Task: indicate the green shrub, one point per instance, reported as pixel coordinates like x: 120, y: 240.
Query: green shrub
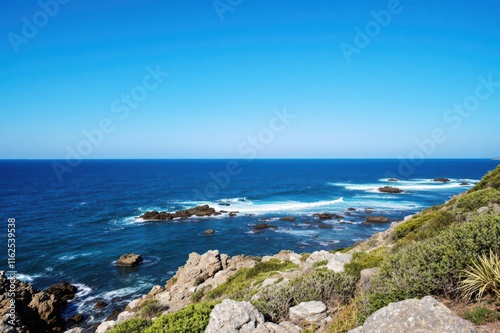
x: 192, y: 319
x: 320, y: 263
x: 136, y: 325
x: 412, y: 224
x: 363, y: 260
x: 321, y: 285
x: 475, y: 200
x: 433, y: 266
x: 491, y: 179
x: 482, y: 277
x: 304, y: 256
x: 151, y: 308
x: 198, y: 295
x: 481, y: 314
x: 437, y: 222
x: 238, y: 286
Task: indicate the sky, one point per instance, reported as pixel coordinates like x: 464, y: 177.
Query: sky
x: 249, y: 79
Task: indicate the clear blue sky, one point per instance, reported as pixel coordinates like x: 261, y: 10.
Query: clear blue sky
x: 225, y: 78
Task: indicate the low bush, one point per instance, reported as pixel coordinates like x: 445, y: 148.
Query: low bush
x: 433, y: 266
x: 198, y: 295
x: 471, y: 202
x: 412, y: 224
x: 345, y: 320
x: 321, y: 285
x: 482, y: 277
x: 192, y: 319
x: 151, y: 308
x: 136, y: 325
x: 491, y: 179
x: 481, y: 314
x: 363, y: 260
x: 320, y: 263
x: 237, y: 286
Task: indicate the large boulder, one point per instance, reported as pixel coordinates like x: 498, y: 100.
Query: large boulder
x: 415, y: 316
x: 338, y: 261
x: 62, y: 291
x: 130, y: 259
x: 308, y: 312
x: 234, y: 317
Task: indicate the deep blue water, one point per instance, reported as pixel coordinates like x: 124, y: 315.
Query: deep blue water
x: 76, y: 228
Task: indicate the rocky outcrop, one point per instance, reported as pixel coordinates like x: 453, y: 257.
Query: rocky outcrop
x: 376, y: 219
x: 206, y: 271
x: 390, y: 189
x: 327, y: 216
x: 34, y: 311
x: 441, y: 180
x: 288, y: 218
x: 392, y: 180
x: 242, y: 317
x: 63, y: 292
x: 415, y: 316
x: 309, y: 312
x: 204, y: 210
x: 209, y: 232
x: 335, y: 261
x: 285, y: 255
x: 231, y: 316
x: 130, y: 259
x: 261, y: 226
x: 464, y: 184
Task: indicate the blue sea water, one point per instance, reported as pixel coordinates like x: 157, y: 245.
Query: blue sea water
x: 74, y: 229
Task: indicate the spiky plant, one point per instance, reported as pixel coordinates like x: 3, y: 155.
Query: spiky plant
x: 482, y: 277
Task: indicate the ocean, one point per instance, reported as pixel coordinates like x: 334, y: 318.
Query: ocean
x: 75, y: 227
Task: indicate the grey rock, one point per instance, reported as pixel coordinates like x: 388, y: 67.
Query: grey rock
x: 234, y: 317
x: 366, y: 277
x: 308, y: 312
x: 415, y: 316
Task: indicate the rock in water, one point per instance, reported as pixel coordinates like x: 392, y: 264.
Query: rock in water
x: 392, y: 180
x: 288, y: 218
x: 390, y: 189
x: 231, y: 316
x: 209, y: 232
x: 415, y: 316
x: 441, y: 180
x: 62, y: 291
x: 130, y: 259
x: 377, y: 219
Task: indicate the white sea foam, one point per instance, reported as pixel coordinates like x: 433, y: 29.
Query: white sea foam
x: 407, y: 185
x: 27, y: 277
x: 256, y: 207
x: 296, y: 232
x: 82, y: 290
x: 69, y: 257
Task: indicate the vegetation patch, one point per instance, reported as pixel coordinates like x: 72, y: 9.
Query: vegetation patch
x: 238, y: 286
x: 481, y: 314
x: 192, y: 319
x: 491, y: 179
x: 363, y: 260
x: 433, y: 266
x: 471, y: 202
x: 136, y: 325
x: 151, y: 308
x: 332, y: 288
